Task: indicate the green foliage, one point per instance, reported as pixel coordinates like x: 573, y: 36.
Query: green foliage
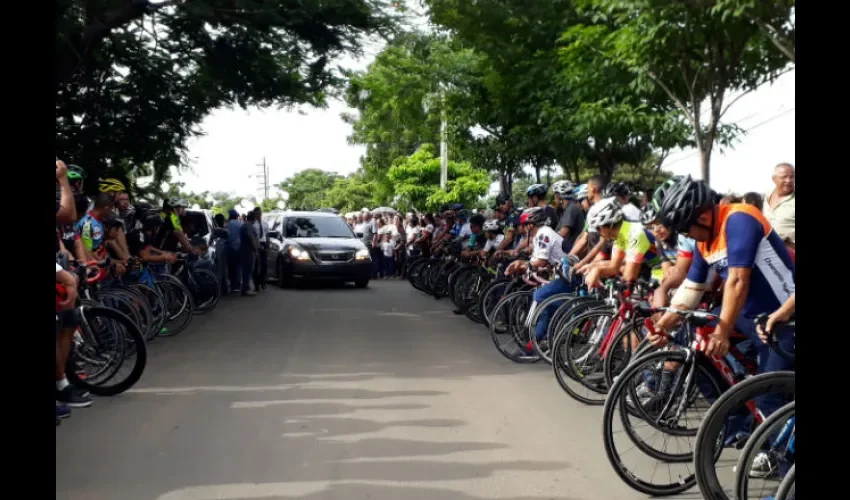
x: 690, y: 53
x: 309, y: 188
x: 417, y: 180
x: 135, y: 78
x: 349, y: 194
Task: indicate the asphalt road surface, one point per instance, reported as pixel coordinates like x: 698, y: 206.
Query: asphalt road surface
x: 336, y: 394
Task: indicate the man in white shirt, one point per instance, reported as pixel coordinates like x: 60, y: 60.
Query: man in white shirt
x: 622, y: 192
x: 547, y: 252
x: 780, y: 205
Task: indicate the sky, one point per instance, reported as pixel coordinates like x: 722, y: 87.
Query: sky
x: 236, y: 141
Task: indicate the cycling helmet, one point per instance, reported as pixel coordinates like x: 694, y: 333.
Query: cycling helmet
x: 649, y: 215
x: 683, y: 203
x: 477, y: 219
x: 658, y: 195
x: 580, y: 192
x: 502, y: 198
x: 176, y: 202
x: 111, y: 186
x: 463, y: 214
x: 492, y: 225
x: 533, y: 215
x: 457, y: 206
x: 76, y: 173
x: 610, y: 212
x: 564, y: 189
x: 538, y: 190
x: 616, y: 189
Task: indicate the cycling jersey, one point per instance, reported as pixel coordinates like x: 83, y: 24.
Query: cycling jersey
x: 744, y: 238
x: 547, y: 245
x: 475, y: 241
x: 136, y: 242
x: 455, y: 231
x: 637, y: 243
x: 92, y: 233
x: 68, y: 235
x: 512, y: 224
x: 164, y: 239
x: 493, y: 244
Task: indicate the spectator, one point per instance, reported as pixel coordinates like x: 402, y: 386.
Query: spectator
x: 248, y: 252
x: 388, y: 256
x: 400, y: 250
x: 780, y: 204
x: 234, y: 245
x: 261, y: 228
x: 219, y: 220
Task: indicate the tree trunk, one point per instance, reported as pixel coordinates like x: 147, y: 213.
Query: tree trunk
x: 537, y: 172
x: 607, y: 166
x: 705, y: 164
x: 503, y: 181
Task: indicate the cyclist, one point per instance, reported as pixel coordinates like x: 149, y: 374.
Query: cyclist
x: 623, y: 194
x: 633, y: 246
x: 493, y: 230
x: 115, y: 188
x: 505, y: 211
x: 537, y: 198
x: 547, y: 250
x: 171, y: 233
x: 476, y: 240
x: 76, y: 177
x: 571, y: 218
x: 90, y: 226
x: 739, y: 243
x: 139, y: 241
x: 66, y: 324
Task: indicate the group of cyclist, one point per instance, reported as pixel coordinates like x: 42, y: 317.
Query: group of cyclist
x: 687, y: 238
x: 90, y: 231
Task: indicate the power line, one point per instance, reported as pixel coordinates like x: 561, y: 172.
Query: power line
x: 772, y: 118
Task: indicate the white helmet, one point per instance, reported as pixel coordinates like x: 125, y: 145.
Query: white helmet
x: 564, y: 189
x: 609, y: 212
x: 492, y: 225
x: 580, y: 192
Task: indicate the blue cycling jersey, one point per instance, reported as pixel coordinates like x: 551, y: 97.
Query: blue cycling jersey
x: 91, y: 231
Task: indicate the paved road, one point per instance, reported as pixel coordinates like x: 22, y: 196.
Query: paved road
x: 336, y: 394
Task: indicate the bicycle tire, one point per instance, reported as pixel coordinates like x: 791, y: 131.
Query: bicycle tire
x: 135, y: 336
x: 788, y: 487
x: 506, y: 303
x: 560, y: 356
x: 617, y: 394
x: 715, y: 421
x: 487, y: 304
x: 753, y: 447
x: 175, y: 293
x: 564, y: 299
x: 212, y: 285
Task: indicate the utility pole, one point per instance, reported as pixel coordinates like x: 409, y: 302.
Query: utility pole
x: 264, y: 178
x: 444, y: 146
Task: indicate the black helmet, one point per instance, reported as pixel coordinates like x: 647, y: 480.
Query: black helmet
x: 534, y: 215
x: 617, y: 189
x: 538, y: 190
x: 502, y: 198
x: 683, y: 203
x: 457, y: 206
x: 463, y: 214
x: 477, y: 220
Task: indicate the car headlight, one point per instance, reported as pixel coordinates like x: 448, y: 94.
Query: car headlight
x: 299, y: 254
x: 362, y: 254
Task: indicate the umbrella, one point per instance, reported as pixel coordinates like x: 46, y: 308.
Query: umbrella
x: 383, y: 210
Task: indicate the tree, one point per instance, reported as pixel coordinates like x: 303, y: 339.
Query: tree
x: 309, y: 188
x: 775, y: 19
x: 352, y: 193
x: 691, y: 53
x: 417, y: 181
x: 134, y: 78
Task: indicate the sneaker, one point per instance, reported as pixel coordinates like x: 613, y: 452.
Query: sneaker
x: 73, y: 397
x: 62, y: 411
x: 763, y: 466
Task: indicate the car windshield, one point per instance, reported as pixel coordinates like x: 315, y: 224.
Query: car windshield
x: 317, y: 227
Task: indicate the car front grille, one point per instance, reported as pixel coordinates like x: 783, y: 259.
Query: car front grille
x: 335, y: 256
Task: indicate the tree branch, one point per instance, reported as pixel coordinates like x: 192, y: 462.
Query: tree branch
x: 674, y: 97
x: 776, y: 38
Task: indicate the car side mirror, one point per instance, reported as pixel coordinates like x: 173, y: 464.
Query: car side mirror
x: 359, y: 235
x: 274, y: 234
